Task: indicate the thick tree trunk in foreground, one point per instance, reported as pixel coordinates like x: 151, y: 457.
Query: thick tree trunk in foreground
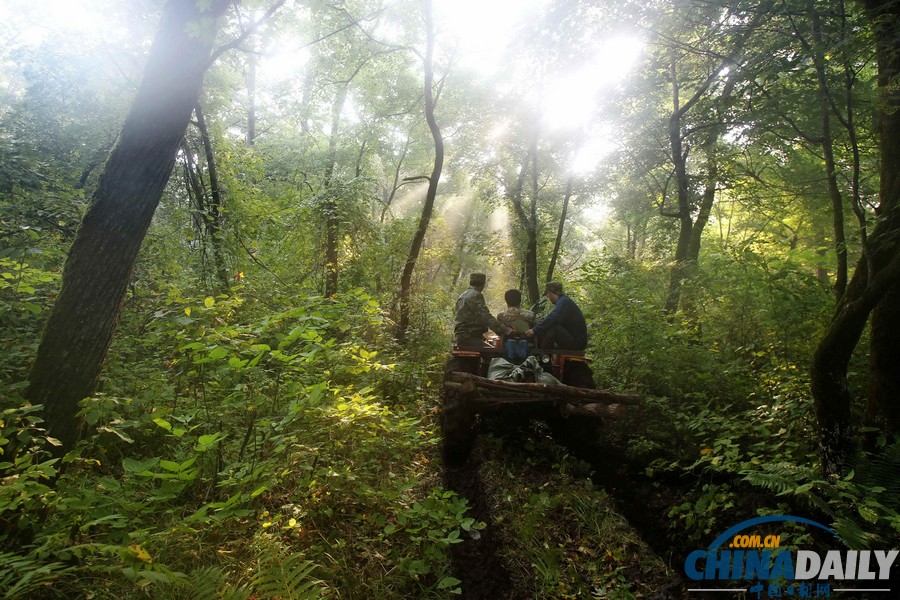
x: 883, y: 406
x: 101, y: 259
x: 884, y: 376
x: 425, y: 219
x: 867, y: 289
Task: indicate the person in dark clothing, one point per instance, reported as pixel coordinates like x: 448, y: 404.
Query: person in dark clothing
x: 564, y: 327
x: 473, y: 318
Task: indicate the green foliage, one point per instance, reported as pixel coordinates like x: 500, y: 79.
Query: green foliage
x: 23, y: 576
x: 728, y: 398
x: 214, y: 423
x: 263, y: 440
x: 27, y: 470
x: 431, y: 525
x: 25, y: 291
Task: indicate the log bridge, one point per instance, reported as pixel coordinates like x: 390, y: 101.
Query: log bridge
x: 571, y: 401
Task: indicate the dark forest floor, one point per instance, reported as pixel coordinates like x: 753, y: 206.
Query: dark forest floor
x: 551, y: 532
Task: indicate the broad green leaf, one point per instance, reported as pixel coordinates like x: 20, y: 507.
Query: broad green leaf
x: 447, y: 582
x: 163, y: 423
x: 169, y: 465
x: 217, y: 353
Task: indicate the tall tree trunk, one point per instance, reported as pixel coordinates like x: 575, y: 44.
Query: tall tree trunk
x: 834, y: 192
x: 685, y: 223
x: 884, y: 377
x: 212, y: 216
x: 427, y: 209
x: 869, y: 286
x: 526, y: 221
x: 330, y: 206
x: 531, y: 249
x: 196, y: 190
x: 251, y: 98
x: 690, y: 232
x: 554, y: 256
x: 100, y: 262
x: 849, y: 123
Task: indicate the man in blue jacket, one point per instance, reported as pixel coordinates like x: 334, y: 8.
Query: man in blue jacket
x: 564, y: 327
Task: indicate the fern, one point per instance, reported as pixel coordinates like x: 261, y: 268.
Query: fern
x: 882, y: 471
x: 286, y: 578
x: 21, y: 576
x: 853, y: 535
x: 786, y: 479
x: 209, y: 583
x: 781, y: 478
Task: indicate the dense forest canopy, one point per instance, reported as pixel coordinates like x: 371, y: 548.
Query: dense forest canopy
x: 232, y: 234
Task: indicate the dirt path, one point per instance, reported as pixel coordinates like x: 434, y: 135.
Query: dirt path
x: 517, y: 463
x: 477, y: 562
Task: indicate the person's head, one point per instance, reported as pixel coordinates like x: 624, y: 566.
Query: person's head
x: 554, y: 290
x: 477, y: 280
x: 513, y: 298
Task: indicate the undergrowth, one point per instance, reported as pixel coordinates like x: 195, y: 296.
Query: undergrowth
x: 728, y: 417
x: 233, y: 451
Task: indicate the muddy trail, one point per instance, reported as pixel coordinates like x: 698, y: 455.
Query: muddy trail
x: 482, y: 562
x: 477, y: 561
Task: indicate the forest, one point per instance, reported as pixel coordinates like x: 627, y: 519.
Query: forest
x: 233, y: 232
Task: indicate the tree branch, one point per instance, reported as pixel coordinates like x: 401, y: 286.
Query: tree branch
x: 246, y: 32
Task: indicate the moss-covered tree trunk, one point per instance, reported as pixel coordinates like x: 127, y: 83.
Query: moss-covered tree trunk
x: 100, y: 262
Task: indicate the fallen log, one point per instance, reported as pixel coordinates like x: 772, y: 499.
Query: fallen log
x: 461, y: 388
x: 607, y: 411
x: 571, y: 394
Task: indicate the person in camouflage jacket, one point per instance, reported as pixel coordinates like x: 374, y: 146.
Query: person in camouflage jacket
x: 473, y: 318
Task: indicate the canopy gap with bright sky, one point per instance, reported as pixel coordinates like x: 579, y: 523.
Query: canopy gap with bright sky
x: 479, y: 31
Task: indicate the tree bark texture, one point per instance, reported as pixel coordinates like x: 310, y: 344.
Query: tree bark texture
x: 871, y: 290
x: 433, y: 180
x: 100, y: 262
x: 884, y: 376
x: 680, y: 267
